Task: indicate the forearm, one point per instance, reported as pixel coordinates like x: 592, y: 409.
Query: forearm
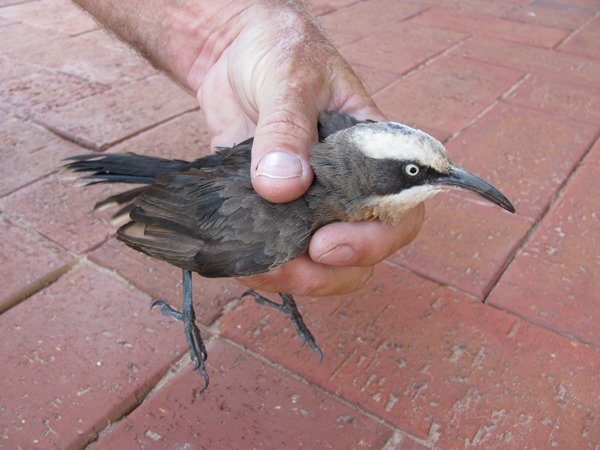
x: 181, y: 37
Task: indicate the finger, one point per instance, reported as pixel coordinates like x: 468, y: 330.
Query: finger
x: 364, y: 243
x: 285, y: 132
x: 302, y: 276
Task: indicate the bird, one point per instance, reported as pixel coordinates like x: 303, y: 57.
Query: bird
x: 204, y: 216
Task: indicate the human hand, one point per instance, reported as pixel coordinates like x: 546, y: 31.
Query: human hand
x: 272, y: 81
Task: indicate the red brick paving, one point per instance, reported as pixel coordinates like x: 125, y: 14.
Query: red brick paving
x: 585, y: 41
x: 563, y: 254
x: 573, y: 100
x: 482, y: 333
x: 445, y: 95
x: 419, y: 43
x: 481, y: 25
x: 289, y: 414
x: 528, y: 153
x: 108, y: 118
x: 40, y: 153
x: 475, y: 238
x: 34, y: 262
x: 76, y: 356
x: 437, y: 364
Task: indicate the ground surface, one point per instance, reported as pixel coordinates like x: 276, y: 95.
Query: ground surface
x: 483, y: 333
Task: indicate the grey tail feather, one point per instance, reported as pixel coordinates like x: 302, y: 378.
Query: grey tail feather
x: 122, y: 167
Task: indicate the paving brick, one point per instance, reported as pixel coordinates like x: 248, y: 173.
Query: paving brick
x: 76, y: 56
x: 163, y: 281
x: 373, y: 79
x: 464, y: 244
x: 572, y: 100
x: 76, y: 356
x: 30, y: 263
x: 554, y: 280
x: 441, y: 98
x: 585, y: 41
x: 531, y: 59
x: 184, y: 137
x: 526, y: 153
x: 56, y: 15
x: 401, y: 442
x: 248, y: 405
x: 104, y: 39
x: 367, y: 17
x: 28, y: 152
x: 401, y: 47
x: 41, y: 90
x: 62, y: 211
x: 320, y: 8
x: 438, y: 365
x: 472, y: 6
x: 567, y: 15
x: 112, y: 116
x: 484, y: 25
x: 11, y: 68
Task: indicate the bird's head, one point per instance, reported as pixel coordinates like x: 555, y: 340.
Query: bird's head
x: 385, y: 168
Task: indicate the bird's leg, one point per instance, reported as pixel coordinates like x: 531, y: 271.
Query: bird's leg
x: 188, y: 317
x: 289, y: 308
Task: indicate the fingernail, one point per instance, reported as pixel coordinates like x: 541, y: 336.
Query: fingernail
x: 338, y: 255
x: 279, y: 165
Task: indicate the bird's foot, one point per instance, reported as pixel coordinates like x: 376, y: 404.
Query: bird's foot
x: 192, y: 332
x: 289, y: 308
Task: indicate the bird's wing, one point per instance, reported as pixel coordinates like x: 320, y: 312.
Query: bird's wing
x: 212, y: 222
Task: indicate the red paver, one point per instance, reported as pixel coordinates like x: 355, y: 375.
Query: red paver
x: 30, y: 262
x: 531, y: 59
x: 554, y: 280
x: 438, y: 365
x: 566, y: 15
x: 443, y: 97
x: 249, y: 405
x: 585, y: 41
x: 76, y: 356
x: 473, y: 6
x: 373, y: 79
x: 28, y: 152
x: 525, y: 153
x: 367, y: 17
x: 484, y: 25
x: 62, y: 211
x: 104, y: 119
x: 401, y: 47
x: 417, y: 349
x: 41, y: 90
x: 76, y: 55
x: 62, y: 16
x: 464, y: 244
x: 193, y: 139
x: 573, y: 100
x: 163, y: 281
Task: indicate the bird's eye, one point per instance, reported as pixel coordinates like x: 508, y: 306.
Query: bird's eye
x: 412, y: 169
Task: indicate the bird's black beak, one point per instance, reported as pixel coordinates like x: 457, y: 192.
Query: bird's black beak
x: 463, y: 179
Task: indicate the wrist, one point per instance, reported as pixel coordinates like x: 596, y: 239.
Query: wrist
x: 199, y: 33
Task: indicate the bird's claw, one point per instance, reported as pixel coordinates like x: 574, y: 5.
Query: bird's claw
x: 289, y: 308
x: 193, y: 337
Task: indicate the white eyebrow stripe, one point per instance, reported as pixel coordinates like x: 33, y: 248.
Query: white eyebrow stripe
x: 401, y: 143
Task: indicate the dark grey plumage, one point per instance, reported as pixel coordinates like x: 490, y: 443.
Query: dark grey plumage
x: 204, y: 216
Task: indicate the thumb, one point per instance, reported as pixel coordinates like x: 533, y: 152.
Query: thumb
x: 285, y: 132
